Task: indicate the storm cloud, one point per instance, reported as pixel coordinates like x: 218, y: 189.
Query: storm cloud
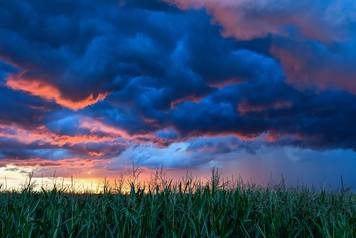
x: 116, y: 80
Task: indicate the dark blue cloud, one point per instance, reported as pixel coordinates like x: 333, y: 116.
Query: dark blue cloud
x: 320, y: 119
x: 22, y: 109
x: 5, y: 70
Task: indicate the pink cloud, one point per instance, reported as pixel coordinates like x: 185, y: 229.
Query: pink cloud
x: 245, y: 107
x: 306, y: 67
x: 246, y: 19
x: 42, y: 135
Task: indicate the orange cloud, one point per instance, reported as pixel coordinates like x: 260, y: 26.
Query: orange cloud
x: 43, y: 135
x: 98, y: 132
x: 240, y: 135
x: 245, y: 108
x: 181, y: 100
x: 64, y: 168
x: 96, y: 126
x: 227, y: 82
x: 50, y: 93
x: 29, y: 163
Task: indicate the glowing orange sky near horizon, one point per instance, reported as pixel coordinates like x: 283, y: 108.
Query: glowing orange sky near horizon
x: 86, y: 179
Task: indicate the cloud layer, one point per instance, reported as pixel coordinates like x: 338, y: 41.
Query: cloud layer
x: 174, y: 83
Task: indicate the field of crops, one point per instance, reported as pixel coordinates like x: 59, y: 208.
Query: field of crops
x: 185, y: 209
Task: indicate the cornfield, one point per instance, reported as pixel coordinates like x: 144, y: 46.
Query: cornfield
x: 187, y: 208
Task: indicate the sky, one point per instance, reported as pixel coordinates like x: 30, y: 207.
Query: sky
x: 256, y: 88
